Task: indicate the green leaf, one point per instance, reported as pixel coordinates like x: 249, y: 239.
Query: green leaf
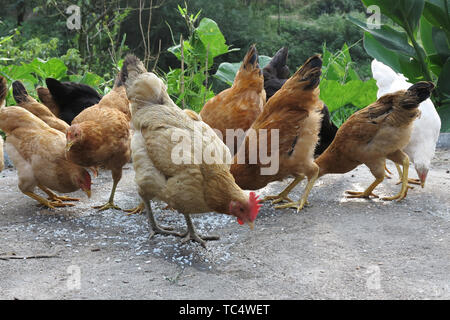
x: 406, y: 13
x: 443, y: 85
x: 388, y: 37
x: 436, y: 12
x: 355, y: 92
x: 426, y: 36
x: 227, y: 72
x: 441, y: 44
x: 209, y: 33
x: 444, y: 113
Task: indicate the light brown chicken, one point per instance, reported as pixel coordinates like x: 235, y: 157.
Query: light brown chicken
x: 374, y: 134
x: 100, y: 136
x: 237, y: 107
x: 183, y: 178
x: 287, y: 133
x: 38, y: 109
x: 38, y: 153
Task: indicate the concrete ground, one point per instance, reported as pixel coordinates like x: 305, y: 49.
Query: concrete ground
x: 337, y: 248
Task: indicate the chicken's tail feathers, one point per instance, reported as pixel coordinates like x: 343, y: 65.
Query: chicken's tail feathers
x: 416, y: 94
x: 132, y: 67
x: 310, y: 71
x: 251, y: 59
x: 3, y: 91
x: 19, y: 92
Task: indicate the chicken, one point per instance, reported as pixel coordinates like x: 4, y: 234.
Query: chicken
x: 290, y: 124
x: 237, y: 107
x: 374, y: 134
x: 188, y: 184
x: 276, y: 72
x: 275, y: 75
x: 100, y: 136
x: 38, y: 153
x: 426, y: 128
x: 39, y: 110
x: 70, y: 98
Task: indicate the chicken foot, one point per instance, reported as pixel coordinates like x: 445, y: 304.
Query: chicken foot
x: 191, y: 235
x: 156, y: 229
x: 304, y: 200
x: 138, y: 210
x: 110, y: 204
x: 283, y: 196
x: 54, y: 197
x: 412, y: 181
x: 405, y: 187
x: 367, y: 193
x: 46, y: 203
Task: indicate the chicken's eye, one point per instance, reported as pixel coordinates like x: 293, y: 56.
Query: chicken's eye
x: 241, y: 209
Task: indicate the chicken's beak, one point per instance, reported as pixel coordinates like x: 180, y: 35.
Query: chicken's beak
x: 251, y: 225
x: 88, y: 193
x: 69, y: 145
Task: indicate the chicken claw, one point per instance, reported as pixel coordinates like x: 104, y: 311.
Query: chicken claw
x: 197, y: 238
x: 108, y: 205
x: 357, y: 194
x: 299, y: 205
x: 404, y: 179
x: 138, y: 210
x: 277, y: 199
x: 54, y: 197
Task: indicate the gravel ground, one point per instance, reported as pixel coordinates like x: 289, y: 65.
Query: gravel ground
x: 337, y: 248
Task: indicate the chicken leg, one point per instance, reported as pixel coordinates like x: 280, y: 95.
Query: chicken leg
x: 283, y: 196
x: 138, y: 210
x: 156, y: 229
x: 304, y: 200
x: 191, y: 235
x: 400, y: 174
x: 116, y: 175
x: 54, y: 197
x: 404, y: 179
x: 46, y: 203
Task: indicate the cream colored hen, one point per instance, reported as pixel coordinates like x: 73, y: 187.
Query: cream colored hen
x: 170, y: 174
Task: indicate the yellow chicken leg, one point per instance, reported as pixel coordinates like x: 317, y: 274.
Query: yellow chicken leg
x: 304, y: 200
x: 283, y: 196
x: 110, y: 204
x: 46, y: 203
x: 54, y: 197
x: 367, y: 193
x: 400, y: 174
x: 404, y: 179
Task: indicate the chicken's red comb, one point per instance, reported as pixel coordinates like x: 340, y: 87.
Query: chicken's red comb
x: 254, y: 205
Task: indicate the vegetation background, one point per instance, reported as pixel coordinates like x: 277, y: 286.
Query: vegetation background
x: 35, y: 43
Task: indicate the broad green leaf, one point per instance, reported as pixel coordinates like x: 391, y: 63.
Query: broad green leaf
x: 210, y: 34
x: 357, y: 93
x: 443, y: 85
x: 444, y: 113
x: 441, y: 44
x: 406, y: 13
x: 388, y: 37
x: 436, y: 12
x: 426, y: 36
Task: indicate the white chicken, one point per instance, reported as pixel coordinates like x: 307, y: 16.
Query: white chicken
x: 426, y: 127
